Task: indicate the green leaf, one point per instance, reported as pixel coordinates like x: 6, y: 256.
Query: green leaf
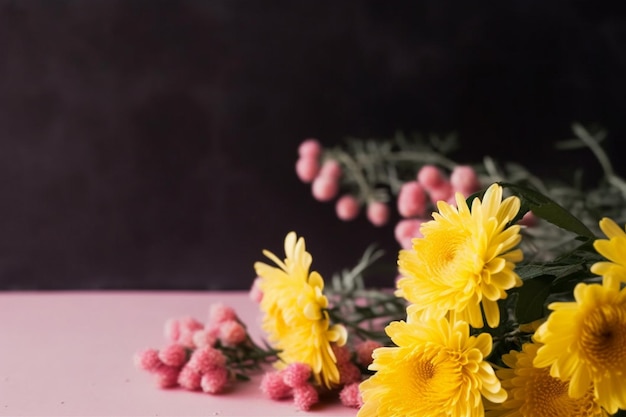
x: 532, y: 298
x: 584, y: 253
x: 530, y: 271
x: 547, y: 209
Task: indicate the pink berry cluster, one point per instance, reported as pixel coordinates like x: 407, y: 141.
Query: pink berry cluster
x: 374, y: 173
x: 350, y: 395
x: 223, y: 326
x: 364, y: 351
x: 324, y: 174
x: 291, y: 382
x: 349, y: 372
x: 294, y: 381
x: 350, y: 378
x: 174, y: 365
x: 195, y: 357
x: 418, y: 197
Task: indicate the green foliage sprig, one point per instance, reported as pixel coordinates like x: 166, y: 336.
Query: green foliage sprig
x: 363, y: 311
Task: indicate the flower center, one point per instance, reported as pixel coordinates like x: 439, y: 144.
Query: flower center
x: 445, y: 251
x: 424, y: 371
x: 603, y: 337
x: 434, y: 377
x: 547, y: 397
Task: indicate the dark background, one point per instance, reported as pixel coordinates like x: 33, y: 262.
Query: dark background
x: 151, y: 144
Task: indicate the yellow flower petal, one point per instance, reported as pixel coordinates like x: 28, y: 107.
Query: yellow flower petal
x: 464, y: 258
x: 435, y: 366
x: 585, y: 341
x: 295, y: 319
x: 611, y: 229
x: 613, y: 249
x: 533, y: 392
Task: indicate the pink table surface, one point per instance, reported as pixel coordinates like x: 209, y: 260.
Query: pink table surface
x: 70, y: 354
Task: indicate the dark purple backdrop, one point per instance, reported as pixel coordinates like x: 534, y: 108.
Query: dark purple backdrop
x: 150, y: 144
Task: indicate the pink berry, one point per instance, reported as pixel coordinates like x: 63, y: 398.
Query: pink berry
x: 167, y: 376
x: 347, y: 208
x: 364, y: 351
x: 406, y: 230
x: 406, y: 243
x: 310, y: 148
x: 186, y: 339
x: 307, y: 169
x: 529, y: 220
x: 190, y: 324
x: 350, y: 396
x: 172, y: 330
x: 443, y: 192
x: 296, y: 374
x: 273, y: 386
x: 148, y: 360
x: 215, y: 380
x: 232, y: 333
x: 213, y: 329
x: 182, y: 330
x: 348, y: 373
x: 331, y: 169
x: 464, y: 180
x: 173, y: 355
x: 430, y: 177
x: 412, y: 200
x: 189, y: 379
x: 342, y: 353
x: 305, y: 396
x: 324, y: 188
x: 203, y: 338
x: 219, y: 313
x: 378, y: 213
x: 206, y: 358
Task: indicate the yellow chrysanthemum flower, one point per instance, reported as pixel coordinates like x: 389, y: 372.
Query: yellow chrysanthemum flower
x: 534, y: 393
x: 614, y: 249
x: 464, y: 259
x: 437, y: 369
x: 295, y: 318
x: 584, y: 342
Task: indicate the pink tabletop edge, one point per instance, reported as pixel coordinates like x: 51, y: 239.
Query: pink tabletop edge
x: 70, y: 353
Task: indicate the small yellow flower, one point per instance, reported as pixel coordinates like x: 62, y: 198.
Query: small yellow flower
x: 437, y: 369
x: 534, y: 393
x: 614, y: 249
x: 295, y: 317
x: 464, y: 259
x: 584, y: 342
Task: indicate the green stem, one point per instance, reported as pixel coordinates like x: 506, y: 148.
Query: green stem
x: 421, y: 157
x: 355, y: 172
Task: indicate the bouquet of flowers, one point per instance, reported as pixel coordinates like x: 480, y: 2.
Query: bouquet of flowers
x: 510, y: 299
